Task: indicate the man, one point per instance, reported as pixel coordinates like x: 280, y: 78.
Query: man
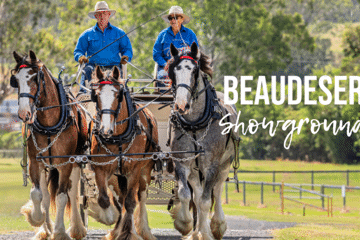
x: 180, y: 36
x: 97, y: 37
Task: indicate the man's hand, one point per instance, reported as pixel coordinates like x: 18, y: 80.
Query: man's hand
x: 124, y: 60
x: 83, y: 59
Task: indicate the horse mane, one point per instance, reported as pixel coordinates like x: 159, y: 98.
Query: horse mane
x: 205, y: 62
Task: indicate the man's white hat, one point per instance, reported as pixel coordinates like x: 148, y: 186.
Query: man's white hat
x: 176, y: 10
x: 101, y: 7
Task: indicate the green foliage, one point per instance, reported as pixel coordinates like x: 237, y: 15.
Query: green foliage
x: 10, y: 140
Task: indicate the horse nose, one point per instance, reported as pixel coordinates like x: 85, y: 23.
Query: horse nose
x: 187, y: 107
x: 110, y: 132
x: 176, y: 107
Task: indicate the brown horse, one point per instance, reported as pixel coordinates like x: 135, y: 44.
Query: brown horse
x: 112, y: 135
x: 55, y: 131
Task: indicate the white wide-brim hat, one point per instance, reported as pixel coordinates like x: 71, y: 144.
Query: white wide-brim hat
x: 101, y: 7
x: 176, y: 10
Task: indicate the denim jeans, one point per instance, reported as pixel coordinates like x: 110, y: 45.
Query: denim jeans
x: 87, y: 72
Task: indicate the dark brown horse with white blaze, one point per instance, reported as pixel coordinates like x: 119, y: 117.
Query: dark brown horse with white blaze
x: 197, y: 111
x: 56, y: 131
x: 113, y: 135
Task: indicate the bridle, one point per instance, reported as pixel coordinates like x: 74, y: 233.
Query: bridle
x: 120, y: 99
x: 39, y: 76
x: 195, y: 75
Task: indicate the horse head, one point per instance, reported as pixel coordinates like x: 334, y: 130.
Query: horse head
x: 184, y: 73
x: 108, y: 97
x: 26, y: 77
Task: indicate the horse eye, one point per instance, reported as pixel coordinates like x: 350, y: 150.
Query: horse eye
x: 188, y: 67
x: 178, y: 67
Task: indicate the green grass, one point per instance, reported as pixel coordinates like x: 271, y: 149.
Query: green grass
x: 314, y: 225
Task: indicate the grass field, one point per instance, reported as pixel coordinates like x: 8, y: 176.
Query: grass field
x: 315, y: 225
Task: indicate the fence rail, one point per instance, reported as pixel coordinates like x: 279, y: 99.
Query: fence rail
x: 321, y: 194
x: 312, y: 172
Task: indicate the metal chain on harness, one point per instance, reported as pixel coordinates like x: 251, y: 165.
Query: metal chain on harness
x: 197, y: 142
x: 41, y: 151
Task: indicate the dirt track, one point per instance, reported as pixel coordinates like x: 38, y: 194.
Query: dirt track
x: 239, y: 228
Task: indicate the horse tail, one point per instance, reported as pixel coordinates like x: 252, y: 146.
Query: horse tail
x: 53, y: 183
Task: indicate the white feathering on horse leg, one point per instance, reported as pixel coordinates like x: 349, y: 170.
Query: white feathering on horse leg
x: 183, y: 222
x: 77, y: 229
x: 32, y: 209
x: 204, y: 227
x: 59, y: 231
x: 47, y: 227
x: 141, y: 219
x: 218, y: 223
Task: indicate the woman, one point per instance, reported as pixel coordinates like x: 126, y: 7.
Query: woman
x: 180, y: 36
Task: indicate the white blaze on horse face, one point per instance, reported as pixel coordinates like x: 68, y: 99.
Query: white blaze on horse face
x: 24, y: 77
x: 107, y: 97
x: 183, y: 73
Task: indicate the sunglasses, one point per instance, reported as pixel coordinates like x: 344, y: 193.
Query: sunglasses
x: 176, y: 18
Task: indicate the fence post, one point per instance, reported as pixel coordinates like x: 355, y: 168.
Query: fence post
x: 322, y: 197
x: 282, y: 197
x: 300, y: 192
x: 262, y: 193
x: 347, y: 178
x: 343, y: 193
x: 273, y: 181
x: 328, y: 206
x: 312, y: 180
x: 304, y: 210
x: 226, y: 192
x: 244, y: 193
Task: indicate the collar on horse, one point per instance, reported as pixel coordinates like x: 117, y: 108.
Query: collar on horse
x: 65, y: 111
x: 133, y: 127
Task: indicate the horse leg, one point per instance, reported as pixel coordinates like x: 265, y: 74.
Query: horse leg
x: 45, y: 230
x: 218, y: 224
x: 197, y: 193
x: 61, y: 201
x: 180, y: 212
x: 127, y: 222
x: 211, y: 178
x: 77, y: 229
x: 141, y: 218
x: 32, y: 209
x: 108, y: 214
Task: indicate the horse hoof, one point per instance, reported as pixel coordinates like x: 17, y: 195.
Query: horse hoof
x: 218, y: 228
x: 184, y: 227
x: 129, y: 236
x: 42, y: 234
x: 27, y: 211
x: 77, y: 232
x: 200, y: 236
x: 110, y: 236
x: 60, y: 236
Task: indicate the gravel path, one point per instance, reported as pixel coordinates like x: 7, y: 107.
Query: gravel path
x: 239, y: 228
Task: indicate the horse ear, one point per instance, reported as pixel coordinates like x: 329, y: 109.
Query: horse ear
x: 17, y: 57
x: 99, y: 73
x: 173, y: 50
x: 116, y: 73
x: 32, y: 56
x: 195, y: 51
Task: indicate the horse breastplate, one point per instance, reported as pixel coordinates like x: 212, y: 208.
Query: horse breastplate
x: 212, y: 110
x: 133, y: 127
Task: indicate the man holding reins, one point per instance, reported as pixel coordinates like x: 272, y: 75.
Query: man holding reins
x: 97, y: 37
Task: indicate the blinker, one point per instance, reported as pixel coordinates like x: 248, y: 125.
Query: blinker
x: 13, y: 82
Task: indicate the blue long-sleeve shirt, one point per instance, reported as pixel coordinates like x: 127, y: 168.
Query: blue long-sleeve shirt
x: 93, y: 39
x: 161, y: 50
